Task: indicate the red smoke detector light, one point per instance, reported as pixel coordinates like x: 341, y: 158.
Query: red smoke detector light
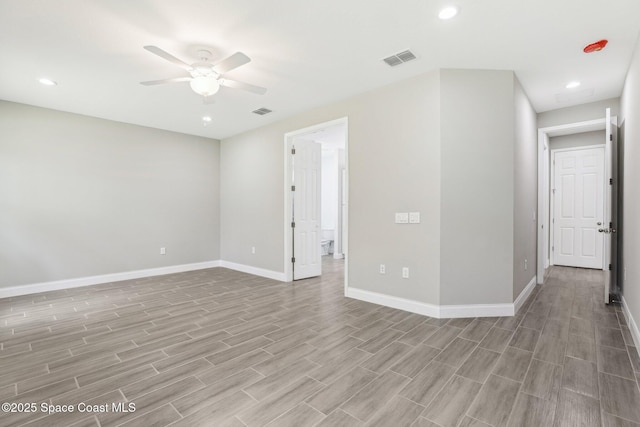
x: 595, y: 47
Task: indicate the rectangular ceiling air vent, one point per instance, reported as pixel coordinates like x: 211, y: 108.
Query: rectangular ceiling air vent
x: 261, y: 111
x: 399, y: 58
x: 392, y: 61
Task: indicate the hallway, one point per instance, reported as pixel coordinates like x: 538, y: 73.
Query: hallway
x: 584, y: 366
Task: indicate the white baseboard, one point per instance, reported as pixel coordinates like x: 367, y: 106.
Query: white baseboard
x: 524, y: 295
x: 104, y: 278
x: 394, y: 302
x: 432, y: 310
x: 269, y: 274
x: 633, y: 326
x: 137, y: 274
x: 476, y: 310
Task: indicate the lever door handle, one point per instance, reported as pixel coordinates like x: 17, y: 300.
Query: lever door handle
x: 607, y: 230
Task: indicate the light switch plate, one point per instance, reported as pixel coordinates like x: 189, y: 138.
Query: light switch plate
x: 414, y: 217
x: 402, y: 218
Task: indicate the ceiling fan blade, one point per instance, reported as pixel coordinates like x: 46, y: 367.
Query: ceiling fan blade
x: 234, y: 61
x: 159, y: 82
x: 165, y: 55
x: 244, y: 86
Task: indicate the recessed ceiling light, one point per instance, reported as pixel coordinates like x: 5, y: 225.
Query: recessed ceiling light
x: 47, y: 82
x: 572, y: 85
x: 448, y: 12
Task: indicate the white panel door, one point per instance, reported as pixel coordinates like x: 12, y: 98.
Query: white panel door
x: 578, y: 207
x: 306, y: 210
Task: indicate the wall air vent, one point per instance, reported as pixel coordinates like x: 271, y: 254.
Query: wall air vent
x: 399, y: 58
x: 261, y: 111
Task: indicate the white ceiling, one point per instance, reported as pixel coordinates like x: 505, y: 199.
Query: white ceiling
x: 306, y: 52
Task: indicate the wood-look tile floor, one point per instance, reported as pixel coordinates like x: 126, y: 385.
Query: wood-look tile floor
x: 222, y: 348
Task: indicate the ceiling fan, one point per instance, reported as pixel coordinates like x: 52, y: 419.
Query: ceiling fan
x: 206, y: 77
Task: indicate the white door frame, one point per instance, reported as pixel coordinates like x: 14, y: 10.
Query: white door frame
x: 553, y: 180
x: 288, y: 141
x: 543, y: 182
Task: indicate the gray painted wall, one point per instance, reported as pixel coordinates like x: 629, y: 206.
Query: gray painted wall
x: 81, y: 196
x: 394, y: 166
x: 578, y: 113
x: 252, y: 199
x: 105, y: 196
x: 577, y: 140
x: 442, y: 144
x: 630, y: 120
x: 477, y: 119
x: 525, y: 192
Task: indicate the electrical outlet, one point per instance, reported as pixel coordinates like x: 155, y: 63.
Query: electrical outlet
x: 383, y: 269
x: 405, y: 272
x: 163, y: 251
x: 525, y: 265
x: 253, y: 249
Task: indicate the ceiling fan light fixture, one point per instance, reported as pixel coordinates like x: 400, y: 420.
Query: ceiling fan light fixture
x: 204, y: 86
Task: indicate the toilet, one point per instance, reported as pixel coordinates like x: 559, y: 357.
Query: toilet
x: 326, y: 242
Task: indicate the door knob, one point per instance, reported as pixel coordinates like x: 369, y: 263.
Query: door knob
x: 600, y: 230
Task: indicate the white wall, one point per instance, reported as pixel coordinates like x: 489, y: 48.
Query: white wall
x: 577, y: 140
x: 329, y: 199
x: 578, y: 113
x: 82, y: 196
x: 338, y: 244
x: 630, y: 127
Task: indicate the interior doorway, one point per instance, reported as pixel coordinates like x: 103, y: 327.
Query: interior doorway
x: 545, y: 241
x: 317, y: 195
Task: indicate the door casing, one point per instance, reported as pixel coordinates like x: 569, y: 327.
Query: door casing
x: 288, y: 142
x: 543, y: 224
